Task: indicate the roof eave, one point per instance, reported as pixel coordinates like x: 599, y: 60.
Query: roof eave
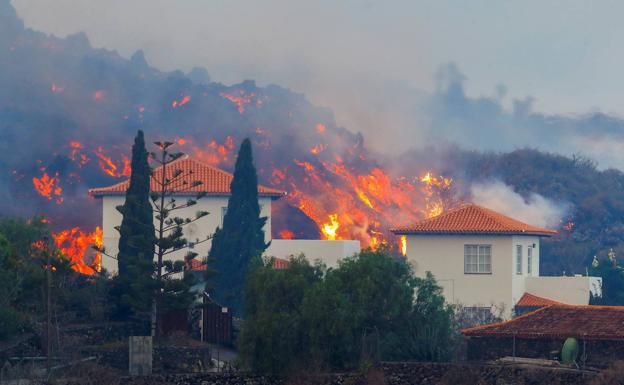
x: 429, y: 232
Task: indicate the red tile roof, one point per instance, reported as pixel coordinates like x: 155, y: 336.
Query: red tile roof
x: 280, y: 264
x: 472, y: 219
x: 531, y: 300
x: 560, y: 321
x: 214, y: 181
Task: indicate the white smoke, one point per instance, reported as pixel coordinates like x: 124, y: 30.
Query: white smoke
x: 536, y: 210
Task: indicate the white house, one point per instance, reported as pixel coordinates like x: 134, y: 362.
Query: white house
x: 487, y: 261
x: 216, y: 185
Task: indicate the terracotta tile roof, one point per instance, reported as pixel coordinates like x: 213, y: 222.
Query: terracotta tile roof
x: 214, y: 181
x: 280, y: 264
x: 560, y: 321
x: 198, y: 265
x: 472, y: 219
x: 531, y: 300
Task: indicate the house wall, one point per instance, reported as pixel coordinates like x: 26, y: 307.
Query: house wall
x: 519, y: 280
x: 443, y: 256
x: 328, y: 252
x: 569, y: 290
x: 198, y: 230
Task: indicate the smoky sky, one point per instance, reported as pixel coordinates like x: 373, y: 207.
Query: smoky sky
x: 517, y: 68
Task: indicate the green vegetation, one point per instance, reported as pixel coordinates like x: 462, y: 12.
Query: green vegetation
x: 612, y: 280
x: 24, y: 248
x: 241, y: 239
x: 370, y: 307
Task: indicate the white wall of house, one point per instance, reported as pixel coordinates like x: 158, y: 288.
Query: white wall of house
x: 570, y: 290
x: 524, y: 245
x: 443, y: 256
x: 328, y: 252
x: 215, y: 205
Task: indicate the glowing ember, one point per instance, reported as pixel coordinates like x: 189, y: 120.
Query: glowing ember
x: 75, y: 153
x: 320, y: 128
x: 98, y: 95
x: 286, y: 234
x: 49, y: 187
x: 241, y: 99
x: 56, y: 89
x: 185, y: 99
x: 111, y: 168
x: 74, y: 245
x: 318, y: 149
x: 215, y: 153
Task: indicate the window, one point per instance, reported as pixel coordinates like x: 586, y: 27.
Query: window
x: 518, y: 259
x: 477, y: 315
x: 530, y: 260
x: 477, y: 259
x: 223, y: 212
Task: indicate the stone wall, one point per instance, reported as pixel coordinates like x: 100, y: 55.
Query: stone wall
x: 389, y: 374
x: 169, y: 359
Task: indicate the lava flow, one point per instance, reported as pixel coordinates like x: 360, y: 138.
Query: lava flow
x: 49, y: 187
x: 75, y: 244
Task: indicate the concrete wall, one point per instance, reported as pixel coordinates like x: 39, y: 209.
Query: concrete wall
x: 329, y: 252
x: 569, y: 290
x: 198, y: 230
x: 443, y: 256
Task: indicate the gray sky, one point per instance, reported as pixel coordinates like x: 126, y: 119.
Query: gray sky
x: 359, y: 57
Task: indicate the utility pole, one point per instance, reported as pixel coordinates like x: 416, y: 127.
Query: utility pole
x: 48, y: 290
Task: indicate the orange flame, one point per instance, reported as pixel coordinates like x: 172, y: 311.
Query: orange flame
x: 185, y: 99
x: 111, y: 168
x: 242, y: 98
x: 75, y: 153
x: 74, y: 244
x: 49, y: 187
x: 286, y: 234
x: 403, y: 245
x: 330, y: 229
x: 215, y: 153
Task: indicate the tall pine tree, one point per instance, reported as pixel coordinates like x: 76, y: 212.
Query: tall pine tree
x: 241, y: 239
x: 133, y: 288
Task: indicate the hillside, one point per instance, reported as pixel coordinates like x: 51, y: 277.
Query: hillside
x: 68, y: 112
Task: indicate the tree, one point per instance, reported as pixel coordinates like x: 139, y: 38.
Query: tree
x: 172, y: 293
x: 612, y: 275
x: 371, y: 307
x: 132, y: 290
x: 275, y: 331
x: 241, y: 238
x: 149, y: 280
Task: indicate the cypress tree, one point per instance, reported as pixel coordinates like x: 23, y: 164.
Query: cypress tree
x: 133, y: 287
x: 241, y: 239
